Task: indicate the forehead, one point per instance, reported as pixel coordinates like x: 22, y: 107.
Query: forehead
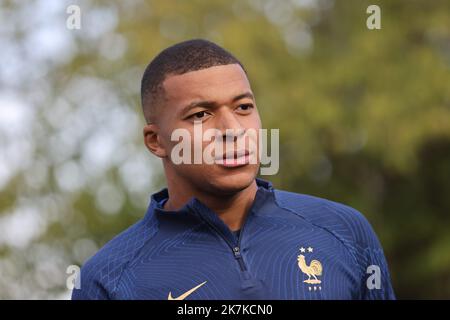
x: 218, y: 83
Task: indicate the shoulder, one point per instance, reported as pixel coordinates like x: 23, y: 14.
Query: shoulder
x: 350, y: 227
x: 101, y: 273
x: 343, y: 221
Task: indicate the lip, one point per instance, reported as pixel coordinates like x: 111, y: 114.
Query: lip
x: 234, y: 159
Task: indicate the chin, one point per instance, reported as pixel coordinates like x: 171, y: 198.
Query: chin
x: 229, y: 181
x: 218, y: 180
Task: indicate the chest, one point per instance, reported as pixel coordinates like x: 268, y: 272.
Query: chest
x: 272, y: 264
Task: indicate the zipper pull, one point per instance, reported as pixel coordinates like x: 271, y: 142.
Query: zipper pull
x: 237, y: 252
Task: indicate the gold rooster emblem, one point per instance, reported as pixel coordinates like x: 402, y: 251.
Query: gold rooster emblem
x: 313, y: 270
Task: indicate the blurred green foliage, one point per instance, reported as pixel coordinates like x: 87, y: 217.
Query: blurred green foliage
x: 364, y: 119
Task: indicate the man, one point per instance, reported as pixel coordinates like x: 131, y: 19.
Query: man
x: 217, y: 232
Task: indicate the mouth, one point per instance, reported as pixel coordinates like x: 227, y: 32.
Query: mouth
x: 234, y: 159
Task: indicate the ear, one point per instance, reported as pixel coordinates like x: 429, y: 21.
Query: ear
x: 152, y: 140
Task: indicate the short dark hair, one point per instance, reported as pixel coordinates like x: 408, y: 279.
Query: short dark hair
x: 183, y: 57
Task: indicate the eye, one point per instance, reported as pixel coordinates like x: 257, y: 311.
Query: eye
x: 199, y: 115
x: 245, y: 107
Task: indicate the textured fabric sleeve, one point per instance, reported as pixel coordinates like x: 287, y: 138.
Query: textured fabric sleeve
x: 375, y: 282
x: 101, y: 274
x: 90, y: 286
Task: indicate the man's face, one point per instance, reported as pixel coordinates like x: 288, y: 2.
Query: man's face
x: 220, y: 98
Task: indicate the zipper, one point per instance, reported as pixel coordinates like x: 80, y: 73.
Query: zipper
x: 237, y: 255
x: 235, y: 248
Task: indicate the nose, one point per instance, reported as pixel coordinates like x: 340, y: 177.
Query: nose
x: 230, y: 126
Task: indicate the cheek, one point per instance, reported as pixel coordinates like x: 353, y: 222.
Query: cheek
x: 178, y: 133
x: 252, y: 121
x: 257, y: 121
x: 165, y: 140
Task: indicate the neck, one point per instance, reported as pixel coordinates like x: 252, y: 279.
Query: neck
x: 231, y: 208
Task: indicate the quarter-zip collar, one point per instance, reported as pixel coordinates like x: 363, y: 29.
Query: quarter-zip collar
x: 195, y: 213
x: 195, y: 208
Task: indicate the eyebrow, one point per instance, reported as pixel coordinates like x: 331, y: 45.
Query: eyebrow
x: 212, y: 104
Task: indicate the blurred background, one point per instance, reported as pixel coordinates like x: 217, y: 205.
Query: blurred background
x: 364, y: 119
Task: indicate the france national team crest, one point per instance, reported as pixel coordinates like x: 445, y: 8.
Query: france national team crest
x: 311, y: 268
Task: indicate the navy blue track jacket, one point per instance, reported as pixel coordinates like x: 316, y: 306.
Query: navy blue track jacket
x: 291, y: 246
